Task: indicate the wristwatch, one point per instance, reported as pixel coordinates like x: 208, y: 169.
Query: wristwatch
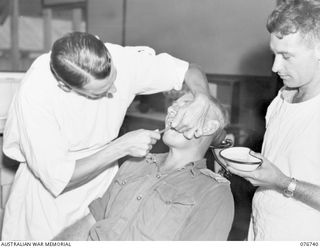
x: 289, y: 191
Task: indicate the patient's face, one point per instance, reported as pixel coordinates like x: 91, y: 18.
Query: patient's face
x: 171, y: 137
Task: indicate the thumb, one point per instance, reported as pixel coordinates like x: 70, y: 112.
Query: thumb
x: 155, y: 134
x: 256, y: 154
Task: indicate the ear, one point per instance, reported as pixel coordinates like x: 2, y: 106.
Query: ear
x: 210, y: 127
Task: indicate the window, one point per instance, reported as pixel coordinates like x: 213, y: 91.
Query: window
x: 28, y: 28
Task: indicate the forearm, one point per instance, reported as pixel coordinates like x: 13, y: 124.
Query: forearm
x: 308, y: 193
x: 90, y: 167
x: 305, y: 192
x: 78, y: 231
x: 136, y: 143
x: 196, y: 81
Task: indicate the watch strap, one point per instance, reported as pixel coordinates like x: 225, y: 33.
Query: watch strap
x: 289, y: 191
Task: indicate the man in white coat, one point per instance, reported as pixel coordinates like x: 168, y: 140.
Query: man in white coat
x: 286, y: 206
x: 64, y: 121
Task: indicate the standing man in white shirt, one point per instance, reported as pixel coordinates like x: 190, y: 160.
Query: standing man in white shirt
x: 64, y: 121
x: 286, y: 206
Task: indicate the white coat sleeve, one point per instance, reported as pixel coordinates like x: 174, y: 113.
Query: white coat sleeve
x: 148, y: 72
x: 157, y: 73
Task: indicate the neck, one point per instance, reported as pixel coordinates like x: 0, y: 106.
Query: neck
x: 304, y: 95
x: 307, y: 92
x: 177, y: 159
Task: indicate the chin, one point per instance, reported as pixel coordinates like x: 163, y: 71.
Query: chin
x: 172, y: 138
x: 291, y: 83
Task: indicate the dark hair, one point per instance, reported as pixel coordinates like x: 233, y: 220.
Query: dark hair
x: 296, y: 16
x: 78, y: 56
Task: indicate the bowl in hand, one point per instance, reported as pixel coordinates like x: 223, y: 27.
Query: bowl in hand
x: 240, y: 158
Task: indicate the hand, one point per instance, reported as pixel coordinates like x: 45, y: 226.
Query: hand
x: 266, y: 175
x: 138, y: 143
x: 192, y: 116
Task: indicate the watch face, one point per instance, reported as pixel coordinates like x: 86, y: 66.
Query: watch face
x: 288, y: 193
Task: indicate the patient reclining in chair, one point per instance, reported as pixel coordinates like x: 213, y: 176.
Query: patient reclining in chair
x: 170, y: 196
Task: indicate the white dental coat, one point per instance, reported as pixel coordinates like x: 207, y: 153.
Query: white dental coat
x: 292, y: 143
x: 47, y: 130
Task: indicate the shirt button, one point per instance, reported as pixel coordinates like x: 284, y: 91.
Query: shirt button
x: 139, y: 197
x: 158, y: 176
x: 123, y: 182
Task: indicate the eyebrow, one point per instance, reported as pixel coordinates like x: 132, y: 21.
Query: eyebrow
x: 280, y: 52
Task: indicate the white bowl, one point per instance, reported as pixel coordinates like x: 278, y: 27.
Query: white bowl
x: 240, y: 158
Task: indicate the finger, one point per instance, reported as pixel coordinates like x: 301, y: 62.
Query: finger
x: 190, y: 133
x: 141, y: 153
x: 185, y: 125
x: 201, y: 125
x: 153, y: 141
x: 177, y: 120
x: 149, y: 156
x: 198, y: 133
x: 258, y: 155
x: 238, y: 172
x: 183, y: 129
x: 154, y: 135
x: 145, y: 149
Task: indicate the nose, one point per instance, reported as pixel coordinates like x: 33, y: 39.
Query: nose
x: 276, y: 64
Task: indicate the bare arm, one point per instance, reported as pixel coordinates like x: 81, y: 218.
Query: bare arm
x: 79, y: 231
x: 196, y: 81
x: 269, y: 176
x: 308, y: 193
x: 136, y: 143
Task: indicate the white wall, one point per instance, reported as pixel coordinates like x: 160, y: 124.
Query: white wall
x: 105, y: 19
x: 223, y: 36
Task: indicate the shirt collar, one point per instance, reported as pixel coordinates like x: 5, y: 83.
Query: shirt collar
x: 193, y: 167
x: 197, y: 166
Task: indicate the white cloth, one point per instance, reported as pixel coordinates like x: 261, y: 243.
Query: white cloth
x: 48, y: 130
x: 292, y: 142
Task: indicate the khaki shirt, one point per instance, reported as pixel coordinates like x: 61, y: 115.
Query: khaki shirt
x: 145, y: 203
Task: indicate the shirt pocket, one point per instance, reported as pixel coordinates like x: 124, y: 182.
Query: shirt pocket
x: 129, y: 181
x: 165, y: 213
x: 123, y: 188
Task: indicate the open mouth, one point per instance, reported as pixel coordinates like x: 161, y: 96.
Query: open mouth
x: 284, y: 76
